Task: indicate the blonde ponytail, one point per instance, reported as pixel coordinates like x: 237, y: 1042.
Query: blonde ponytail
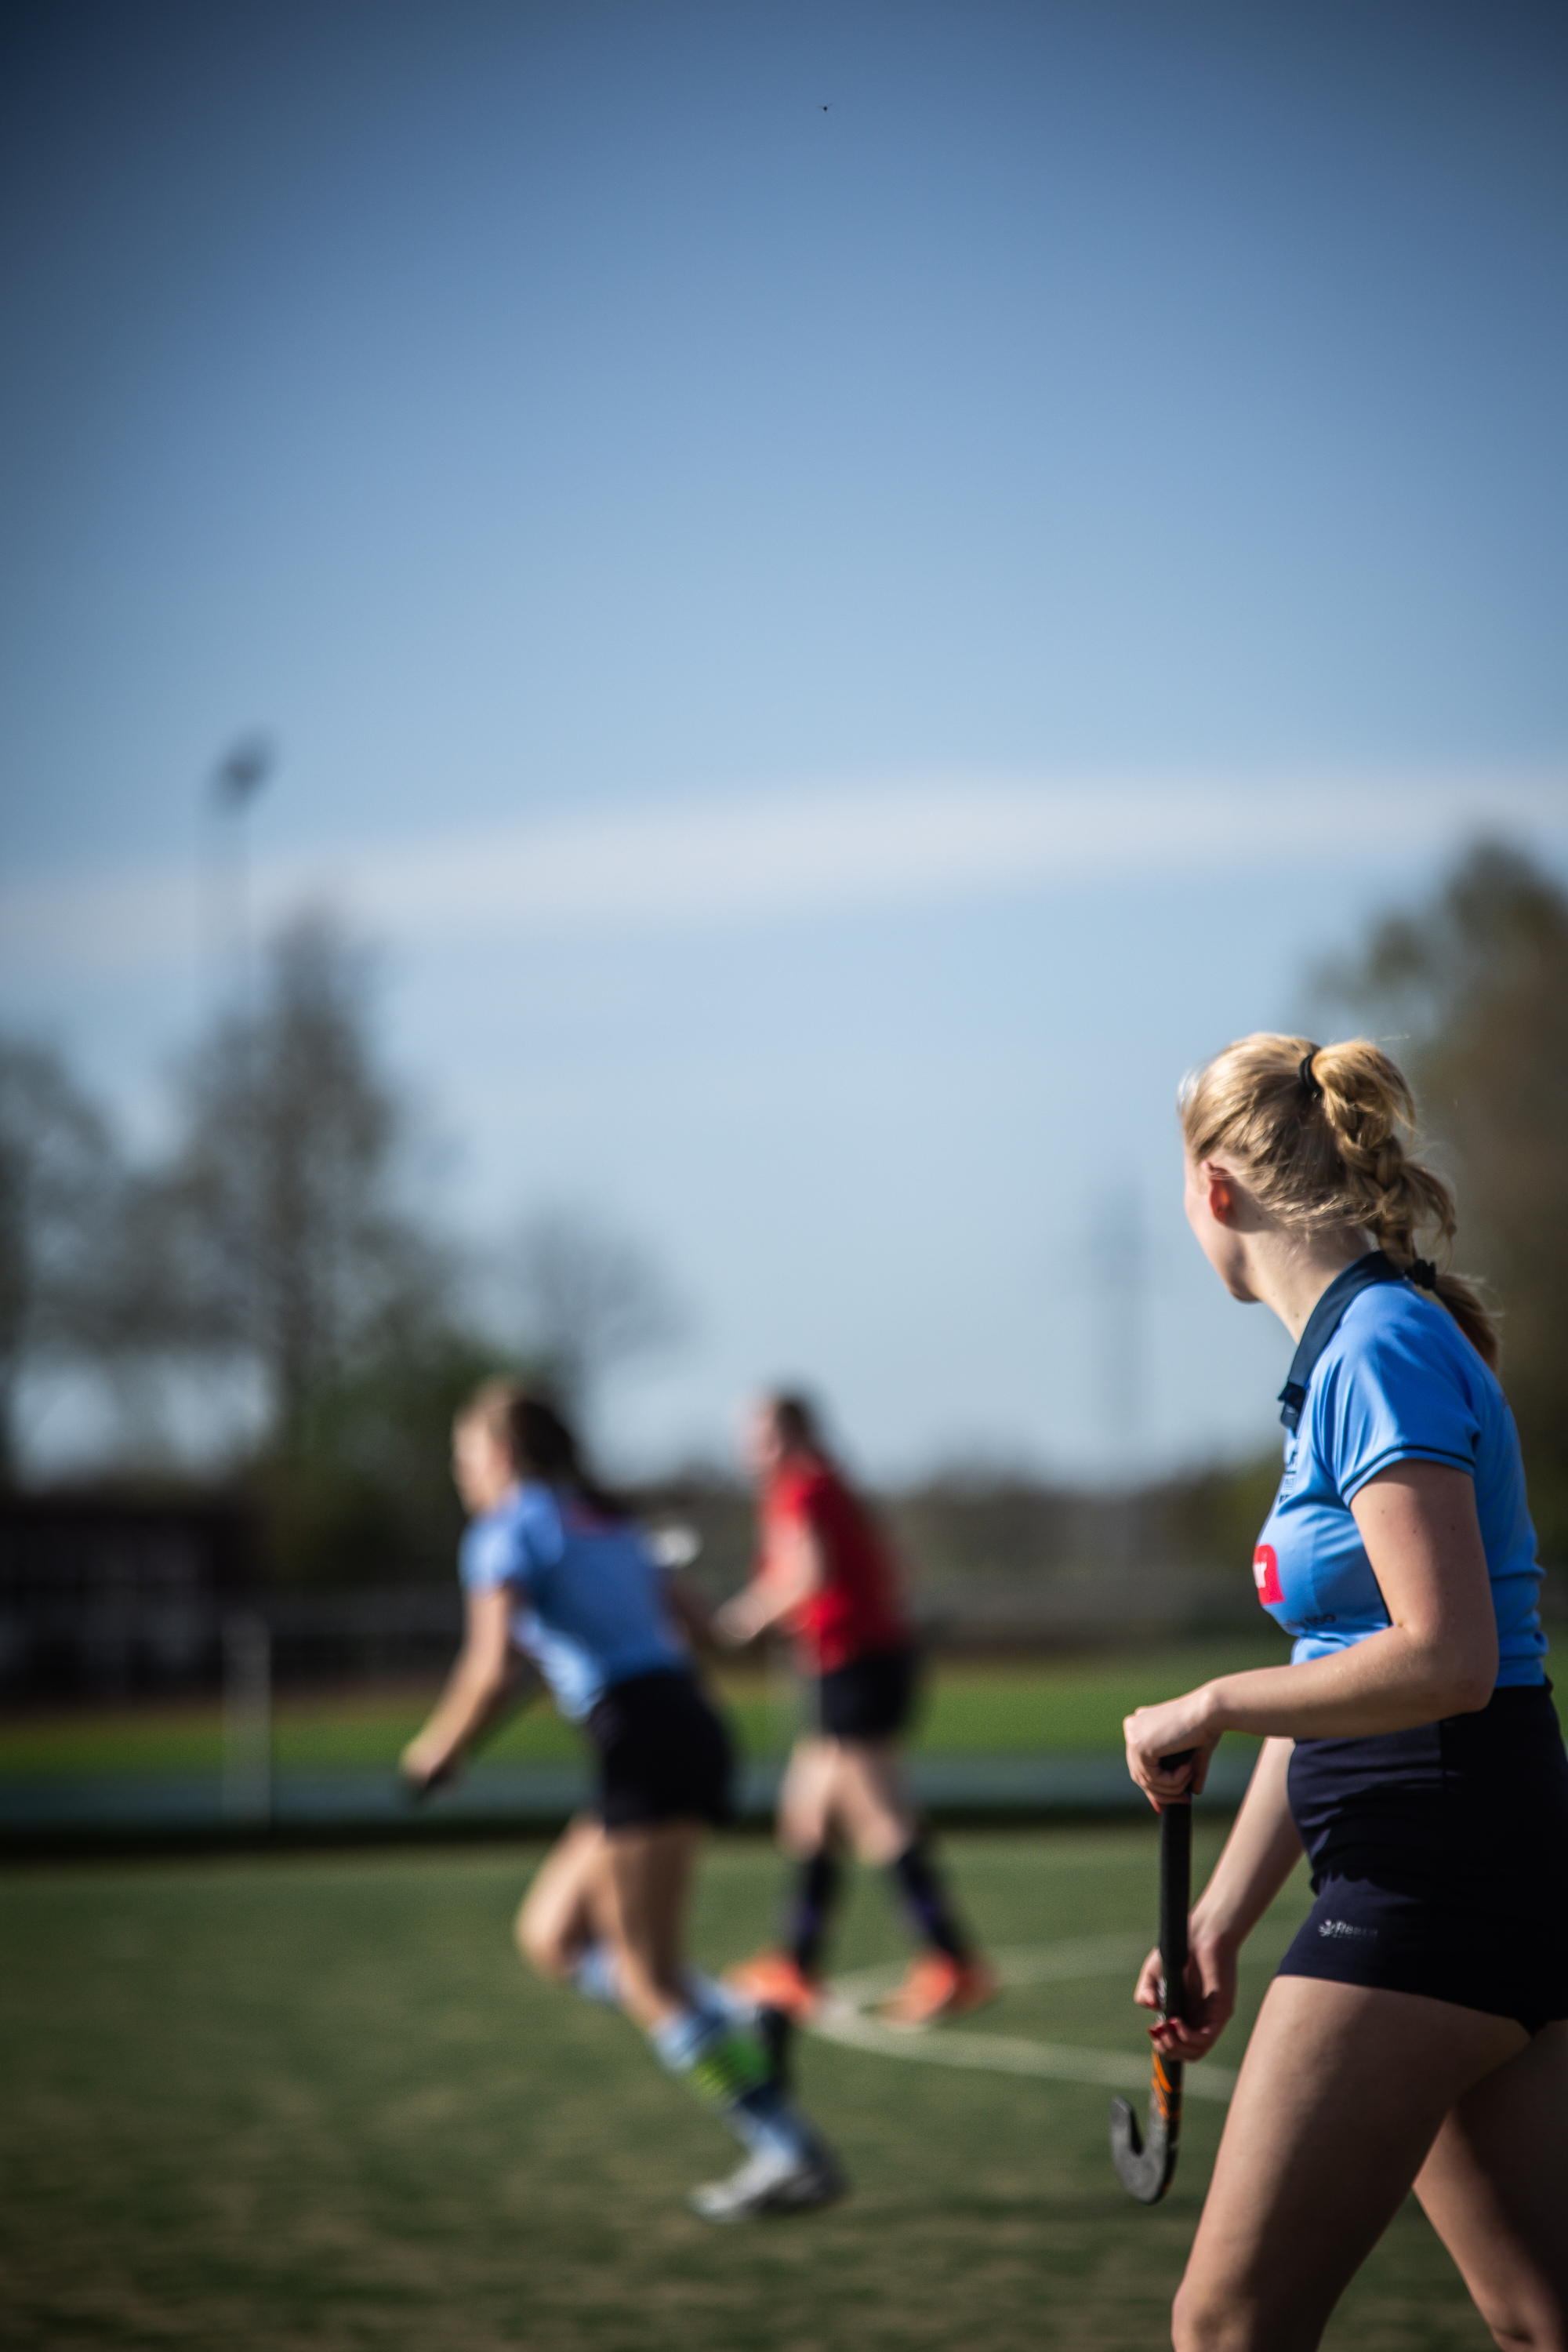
x: 1324, y: 1136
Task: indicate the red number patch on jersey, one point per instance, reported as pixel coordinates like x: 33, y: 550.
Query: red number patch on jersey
x: 1266, y: 1575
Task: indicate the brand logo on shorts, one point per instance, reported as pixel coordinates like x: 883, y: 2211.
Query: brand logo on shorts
x: 1265, y: 1576
x: 1337, y: 1929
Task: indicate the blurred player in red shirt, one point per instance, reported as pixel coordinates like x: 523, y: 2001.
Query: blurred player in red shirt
x: 826, y: 1577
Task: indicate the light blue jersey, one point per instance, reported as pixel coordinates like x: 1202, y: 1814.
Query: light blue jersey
x: 589, y: 1600
x: 1385, y: 1375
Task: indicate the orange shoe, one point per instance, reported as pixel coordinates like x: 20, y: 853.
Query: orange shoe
x: 774, y: 1980
x: 939, y: 1986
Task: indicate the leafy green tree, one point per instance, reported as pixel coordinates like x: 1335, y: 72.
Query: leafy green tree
x: 1477, y: 982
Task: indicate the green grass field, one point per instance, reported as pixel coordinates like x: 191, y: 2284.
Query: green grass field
x: 1040, y: 1705
x: 318, y: 2103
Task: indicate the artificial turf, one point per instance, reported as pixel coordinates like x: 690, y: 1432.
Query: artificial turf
x: 317, y: 2102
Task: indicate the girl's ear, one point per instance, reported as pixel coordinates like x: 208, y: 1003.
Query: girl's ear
x: 1220, y: 1188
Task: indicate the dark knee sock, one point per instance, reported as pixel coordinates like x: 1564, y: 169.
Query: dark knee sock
x: 810, y: 1908
x: 925, y: 1898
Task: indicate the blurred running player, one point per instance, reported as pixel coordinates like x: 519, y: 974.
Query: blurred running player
x: 553, y: 1571
x: 825, y: 1576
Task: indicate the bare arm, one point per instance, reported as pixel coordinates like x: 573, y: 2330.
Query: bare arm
x: 1260, y: 1855
x: 482, y: 1679
x: 795, y: 1568
x: 1438, y: 1654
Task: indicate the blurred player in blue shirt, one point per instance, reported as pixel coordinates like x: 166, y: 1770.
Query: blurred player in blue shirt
x: 555, y: 1571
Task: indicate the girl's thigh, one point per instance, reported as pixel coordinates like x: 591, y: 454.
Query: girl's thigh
x: 650, y: 1871
x: 1494, y: 2189
x: 568, y: 1903
x: 1343, y: 2091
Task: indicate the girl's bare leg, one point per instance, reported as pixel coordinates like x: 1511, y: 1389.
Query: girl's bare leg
x: 850, y: 1788
x: 1494, y: 2189
x: 569, y: 1905
x: 1342, y: 2093
x: 870, y: 1800
x: 649, y: 1877
x: 805, y: 1800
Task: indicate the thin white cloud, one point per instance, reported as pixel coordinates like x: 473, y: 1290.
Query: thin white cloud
x: 698, y: 866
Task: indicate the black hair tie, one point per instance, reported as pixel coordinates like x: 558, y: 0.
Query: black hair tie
x: 1310, y: 1086
x: 1423, y: 1273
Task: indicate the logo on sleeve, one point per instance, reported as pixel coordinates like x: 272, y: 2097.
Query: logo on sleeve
x: 1265, y: 1576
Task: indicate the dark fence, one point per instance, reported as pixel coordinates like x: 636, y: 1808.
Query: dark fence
x: 109, y: 1598
x: 112, y: 1597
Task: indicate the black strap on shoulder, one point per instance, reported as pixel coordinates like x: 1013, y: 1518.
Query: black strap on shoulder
x: 1325, y: 1321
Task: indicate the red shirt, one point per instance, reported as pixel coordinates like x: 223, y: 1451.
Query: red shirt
x: 858, y: 1607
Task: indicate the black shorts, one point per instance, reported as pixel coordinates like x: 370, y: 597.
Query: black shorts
x: 1440, y: 1859
x: 872, y: 1698
x: 664, y: 1755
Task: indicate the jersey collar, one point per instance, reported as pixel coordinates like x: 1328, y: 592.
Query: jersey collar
x: 1325, y: 1321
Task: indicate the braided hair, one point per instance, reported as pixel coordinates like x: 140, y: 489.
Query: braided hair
x: 1325, y: 1136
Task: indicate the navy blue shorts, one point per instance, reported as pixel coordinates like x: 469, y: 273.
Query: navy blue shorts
x: 872, y: 1698
x: 664, y: 1754
x: 1440, y: 1859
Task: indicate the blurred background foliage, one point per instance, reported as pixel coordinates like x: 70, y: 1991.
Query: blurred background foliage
x: 280, y: 1265
x: 357, y: 1489
x: 1471, y: 990
x: 60, y: 1193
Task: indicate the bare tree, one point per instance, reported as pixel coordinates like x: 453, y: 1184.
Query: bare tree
x: 589, y: 1299
x: 59, y: 1184
x: 283, y: 1203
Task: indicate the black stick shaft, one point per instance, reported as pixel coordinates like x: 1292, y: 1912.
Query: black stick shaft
x: 1176, y: 1895
x: 1145, y: 2167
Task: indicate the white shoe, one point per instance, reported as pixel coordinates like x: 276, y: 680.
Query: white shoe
x: 771, y: 2182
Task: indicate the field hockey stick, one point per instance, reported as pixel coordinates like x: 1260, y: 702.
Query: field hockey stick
x: 1146, y: 2168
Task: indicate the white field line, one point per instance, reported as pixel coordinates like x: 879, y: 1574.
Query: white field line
x: 842, y: 2018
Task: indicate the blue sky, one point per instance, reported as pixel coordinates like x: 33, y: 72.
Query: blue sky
x: 844, y: 590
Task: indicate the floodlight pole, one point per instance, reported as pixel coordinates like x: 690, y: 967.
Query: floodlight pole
x: 245, y: 1637
x: 236, y: 782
